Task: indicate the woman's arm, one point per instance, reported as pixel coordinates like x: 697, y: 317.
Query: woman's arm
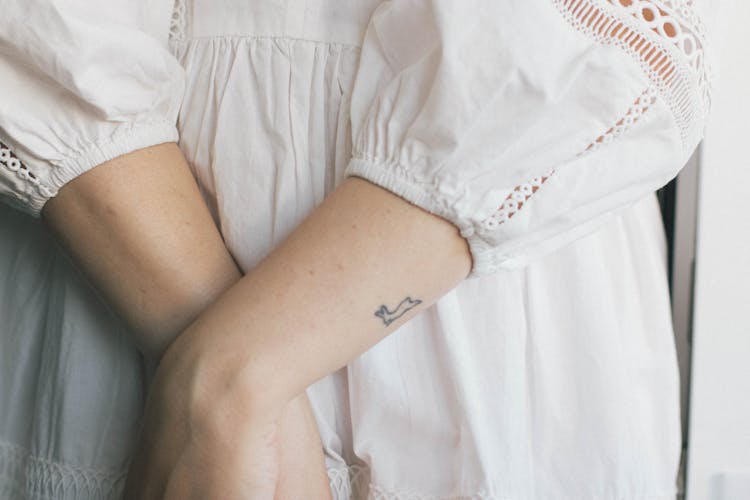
x: 364, y: 262
x: 140, y: 230
x: 84, y: 83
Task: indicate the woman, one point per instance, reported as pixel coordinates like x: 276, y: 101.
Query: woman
x: 361, y: 161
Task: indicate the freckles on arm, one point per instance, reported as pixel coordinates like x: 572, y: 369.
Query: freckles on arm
x: 363, y: 263
x: 139, y: 229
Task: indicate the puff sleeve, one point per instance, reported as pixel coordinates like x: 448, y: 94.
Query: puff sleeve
x: 81, y: 83
x: 526, y: 124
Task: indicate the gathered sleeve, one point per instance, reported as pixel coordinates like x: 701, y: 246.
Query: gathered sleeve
x: 526, y: 124
x: 81, y: 82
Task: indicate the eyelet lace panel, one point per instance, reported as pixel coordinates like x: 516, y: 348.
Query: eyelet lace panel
x: 178, y: 25
x: 515, y: 200
x: 638, y: 109
x: 666, y: 38
x: 521, y: 193
x: 10, y: 162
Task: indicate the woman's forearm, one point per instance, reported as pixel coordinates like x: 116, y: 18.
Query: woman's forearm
x: 364, y: 262
x: 140, y: 230
x: 360, y: 265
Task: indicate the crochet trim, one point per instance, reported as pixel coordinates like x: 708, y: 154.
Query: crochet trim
x: 639, y: 108
x: 521, y: 193
x: 11, y: 162
x: 666, y: 38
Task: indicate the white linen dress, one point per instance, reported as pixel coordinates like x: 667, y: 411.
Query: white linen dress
x: 540, y: 129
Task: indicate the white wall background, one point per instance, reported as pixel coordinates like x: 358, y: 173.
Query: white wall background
x: 718, y: 464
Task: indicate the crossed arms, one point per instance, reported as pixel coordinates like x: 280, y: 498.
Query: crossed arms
x: 230, y: 388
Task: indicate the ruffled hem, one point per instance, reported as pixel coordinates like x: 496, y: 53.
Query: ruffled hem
x: 24, y: 475
x: 353, y: 483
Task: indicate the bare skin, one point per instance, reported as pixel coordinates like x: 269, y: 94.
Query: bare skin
x: 362, y: 264
x: 139, y: 229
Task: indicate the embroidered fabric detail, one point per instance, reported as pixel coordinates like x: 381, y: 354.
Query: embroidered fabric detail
x: 28, y: 476
x: 638, y: 109
x: 10, y: 162
x: 667, y: 39
x: 348, y: 482
x: 353, y: 482
x: 521, y: 193
x: 378, y: 493
x: 24, y: 475
x: 515, y: 200
x: 178, y: 25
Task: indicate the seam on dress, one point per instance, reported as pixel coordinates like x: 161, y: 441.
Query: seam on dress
x: 240, y: 36
x: 394, y: 166
x: 72, y: 163
x: 180, y: 31
x: 75, y: 162
x: 395, y: 178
